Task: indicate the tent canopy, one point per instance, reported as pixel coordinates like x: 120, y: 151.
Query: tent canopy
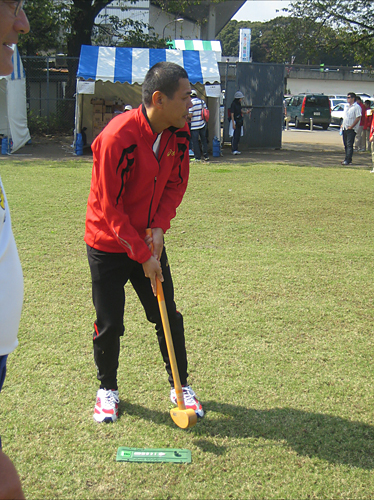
x: 214, y: 45
x: 13, y: 114
x: 129, y: 65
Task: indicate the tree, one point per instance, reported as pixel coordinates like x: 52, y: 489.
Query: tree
x: 305, y: 39
x: 352, y: 20
x: 308, y: 41
x: 44, y: 27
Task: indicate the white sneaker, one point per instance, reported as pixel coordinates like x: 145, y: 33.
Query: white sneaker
x: 190, y: 400
x: 106, y: 408
x: 236, y: 153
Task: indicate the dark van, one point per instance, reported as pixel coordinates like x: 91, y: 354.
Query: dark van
x: 302, y: 107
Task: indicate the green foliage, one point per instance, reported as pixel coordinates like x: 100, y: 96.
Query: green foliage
x: 333, y: 32
x: 127, y: 33
x: 56, y: 123
x: 307, y: 41
x: 44, y: 35
x: 351, y: 21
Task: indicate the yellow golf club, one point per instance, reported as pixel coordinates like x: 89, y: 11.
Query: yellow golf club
x: 182, y: 417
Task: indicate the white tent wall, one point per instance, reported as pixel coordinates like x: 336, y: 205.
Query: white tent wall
x: 4, y: 124
x: 17, y: 114
x: 13, y: 112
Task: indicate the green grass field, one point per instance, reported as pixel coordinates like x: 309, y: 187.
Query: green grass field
x: 273, y: 267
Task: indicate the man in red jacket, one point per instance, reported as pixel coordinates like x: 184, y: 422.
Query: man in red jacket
x: 139, y: 177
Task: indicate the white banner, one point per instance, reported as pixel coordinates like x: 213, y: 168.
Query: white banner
x: 85, y: 87
x: 213, y: 90
x: 245, y: 45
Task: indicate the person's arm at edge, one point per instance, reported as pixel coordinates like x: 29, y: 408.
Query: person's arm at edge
x: 10, y: 484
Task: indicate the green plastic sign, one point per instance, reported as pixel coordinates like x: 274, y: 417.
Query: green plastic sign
x: 125, y: 454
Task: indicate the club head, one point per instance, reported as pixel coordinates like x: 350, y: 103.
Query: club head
x: 183, y: 418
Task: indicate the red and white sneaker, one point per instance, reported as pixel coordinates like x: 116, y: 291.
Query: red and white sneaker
x: 190, y: 400
x: 106, y: 408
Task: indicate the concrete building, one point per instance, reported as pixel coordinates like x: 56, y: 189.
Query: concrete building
x: 203, y: 21
x: 332, y: 81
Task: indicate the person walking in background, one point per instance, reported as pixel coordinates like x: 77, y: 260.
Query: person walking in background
x: 359, y: 141
x: 351, y: 121
x: 236, y: 124
x: 198, y: 127
x: 13, y: 21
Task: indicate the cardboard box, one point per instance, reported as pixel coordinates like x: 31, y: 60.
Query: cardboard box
x: 98, y: 108
x: 95, y: 100
x: 109, y: 103
x: 97, y: 120
x: 107, y: 117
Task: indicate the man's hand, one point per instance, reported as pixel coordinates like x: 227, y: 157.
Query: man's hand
x: 152, y: 268
x: 156, y: 242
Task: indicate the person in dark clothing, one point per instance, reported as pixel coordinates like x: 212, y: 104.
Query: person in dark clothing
x: 237, y: 121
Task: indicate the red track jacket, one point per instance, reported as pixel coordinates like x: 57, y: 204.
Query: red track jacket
x: 132, y: 189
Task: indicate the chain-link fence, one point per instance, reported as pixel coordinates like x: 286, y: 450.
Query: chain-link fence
x: 50, y: 93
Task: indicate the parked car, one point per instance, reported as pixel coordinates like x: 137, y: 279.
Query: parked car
x: 363, y: 95
x: 303, y: 107
x: 337, y: 114
x: 334, y: 102
x: 338, y: 96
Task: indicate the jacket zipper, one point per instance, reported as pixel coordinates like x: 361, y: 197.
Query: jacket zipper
x: 150, y: 205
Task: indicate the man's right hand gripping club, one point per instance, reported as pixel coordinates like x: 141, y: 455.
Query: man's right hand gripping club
x: 152, y: 267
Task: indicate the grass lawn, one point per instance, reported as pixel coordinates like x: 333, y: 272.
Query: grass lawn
x: 273, y: 269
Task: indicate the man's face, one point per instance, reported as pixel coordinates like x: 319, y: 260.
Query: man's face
x: 350, y: 100
x: 176, y: 110
x: 10, y: 27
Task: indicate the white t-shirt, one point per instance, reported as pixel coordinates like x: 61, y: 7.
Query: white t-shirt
x: 11, y: 281
x: 350, y: 115
x: 197, y: 121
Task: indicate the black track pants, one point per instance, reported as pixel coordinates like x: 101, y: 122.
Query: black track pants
x: 110, y: 272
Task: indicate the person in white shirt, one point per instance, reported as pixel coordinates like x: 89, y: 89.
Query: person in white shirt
x: 198, y: 127
x: 349, y: 127
x: 12, y: 22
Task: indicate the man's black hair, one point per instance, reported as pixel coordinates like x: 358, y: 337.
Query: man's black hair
x: 163, y: 76
x: 351, y: 94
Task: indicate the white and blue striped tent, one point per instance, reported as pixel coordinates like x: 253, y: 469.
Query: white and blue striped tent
x: 112, y: 73
x: 129, y: 65
x: 13, y: 114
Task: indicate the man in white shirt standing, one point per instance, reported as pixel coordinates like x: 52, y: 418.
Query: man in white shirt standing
x: 12, y: 22
x: 349, y: 127
x: 198, y: 128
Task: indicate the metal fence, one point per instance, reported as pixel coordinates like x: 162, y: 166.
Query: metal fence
x: 50, y: 93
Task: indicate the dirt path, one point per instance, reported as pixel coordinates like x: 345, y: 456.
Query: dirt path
x: 299, y: 147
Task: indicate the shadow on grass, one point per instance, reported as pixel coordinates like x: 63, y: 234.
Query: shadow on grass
x: 330, y: 438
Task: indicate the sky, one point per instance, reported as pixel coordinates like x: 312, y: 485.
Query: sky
x: 261, y: 10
